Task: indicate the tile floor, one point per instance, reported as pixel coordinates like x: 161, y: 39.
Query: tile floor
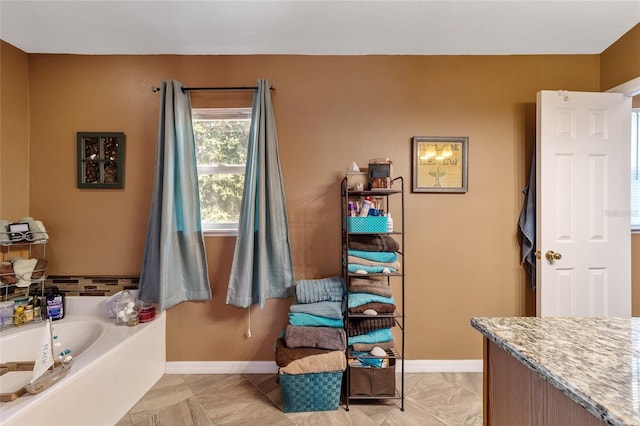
x: 249, y: 399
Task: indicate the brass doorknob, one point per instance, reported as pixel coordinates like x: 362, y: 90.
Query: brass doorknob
x: 552, y: 255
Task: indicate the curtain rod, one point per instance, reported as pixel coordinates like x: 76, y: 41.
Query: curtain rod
x: 188, y: 89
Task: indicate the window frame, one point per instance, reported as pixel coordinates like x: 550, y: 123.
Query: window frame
x: 219, y: 228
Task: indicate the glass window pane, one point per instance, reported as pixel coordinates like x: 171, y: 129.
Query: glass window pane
x: 220, y: 197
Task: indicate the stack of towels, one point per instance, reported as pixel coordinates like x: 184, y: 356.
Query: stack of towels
x: 314, y: 340
x: 371, y: 295
x: 37, y: 231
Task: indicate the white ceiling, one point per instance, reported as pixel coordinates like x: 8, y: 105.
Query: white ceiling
x: 208, y: 27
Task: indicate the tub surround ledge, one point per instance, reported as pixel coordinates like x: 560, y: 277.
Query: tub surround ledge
x: 595, y: 362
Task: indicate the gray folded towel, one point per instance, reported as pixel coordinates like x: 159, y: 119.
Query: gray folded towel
x: 300, y: 336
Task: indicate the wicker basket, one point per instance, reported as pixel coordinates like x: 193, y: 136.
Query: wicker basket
x: 310, y: 392
x: 367, y: 224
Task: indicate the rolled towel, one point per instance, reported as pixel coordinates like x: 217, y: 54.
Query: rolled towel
x: 23, y: 268
x: 36, y: 229
x: 7, y: 275
x: 5, y: 237
x: 315, y: 337
x: 39, y: 269
x: 332, y: 361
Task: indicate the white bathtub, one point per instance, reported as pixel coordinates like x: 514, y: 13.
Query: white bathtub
x: 113, y: 367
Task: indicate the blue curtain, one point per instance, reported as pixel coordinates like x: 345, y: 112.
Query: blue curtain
x: 262, y: 268
x: 174, y: 267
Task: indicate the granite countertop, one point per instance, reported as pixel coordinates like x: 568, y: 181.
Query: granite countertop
x: 594, y: 361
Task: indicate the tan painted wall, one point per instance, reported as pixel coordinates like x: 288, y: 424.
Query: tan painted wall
x: 620, y: 62
x: 14, y: 133
x: 462, y: 249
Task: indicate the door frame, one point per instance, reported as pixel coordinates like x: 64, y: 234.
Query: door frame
x: 629, y: 89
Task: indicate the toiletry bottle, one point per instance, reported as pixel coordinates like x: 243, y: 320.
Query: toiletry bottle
x: 55, y: 304
x: 366, y: 206
x: 389, y: 222
x: 37, y: 310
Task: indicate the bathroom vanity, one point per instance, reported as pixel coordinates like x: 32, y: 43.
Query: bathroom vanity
x: 561, y: 371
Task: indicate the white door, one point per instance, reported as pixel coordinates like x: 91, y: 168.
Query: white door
x: 582, y: 204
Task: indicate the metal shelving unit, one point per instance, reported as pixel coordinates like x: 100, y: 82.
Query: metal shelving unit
x: 395, y: 197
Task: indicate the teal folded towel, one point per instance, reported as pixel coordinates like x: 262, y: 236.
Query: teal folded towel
x: 377, y: 256
x: 314, y: 320
x: 354, y: 268
x: 321, y: 309
x: 375, y: 336
x: 359, y: 299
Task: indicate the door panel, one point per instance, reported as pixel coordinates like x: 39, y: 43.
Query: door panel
x: 582, y: 204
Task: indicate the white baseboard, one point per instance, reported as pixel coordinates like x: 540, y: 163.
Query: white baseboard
x: 267, y: 367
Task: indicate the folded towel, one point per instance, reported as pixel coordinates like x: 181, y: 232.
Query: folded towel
x: 373, y: 243
x: 367, y: 347
x: 315, y: 337
x: 323, y: 309
x: 5, y: 237
x: 7, y: 275
x: 357, y: 299
x: 370, y: 285
x: 284, y: 354
x: 381, y: 308
x: 332, y: 361
x: 23, y: 269
x: 359, y: 326
x: 377, y: 256
x: 375, y: 336
x: 36, y: 229
x: 299, y: 318
x: 325, y: 289
x: 39, y: 269
x: 355, y: 268
x: 362, y: 261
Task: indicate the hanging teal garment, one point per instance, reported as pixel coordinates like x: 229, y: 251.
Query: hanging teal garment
x: 262, y: 267
x: 174, y: 267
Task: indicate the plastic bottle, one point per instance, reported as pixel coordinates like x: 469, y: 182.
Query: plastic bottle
x: 366, y: 205
x: 55, y: 304
x: 389, y: 222
x: 37, y: 309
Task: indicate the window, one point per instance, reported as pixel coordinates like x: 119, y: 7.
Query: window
x: 221, y: 138
x: 635, y: 169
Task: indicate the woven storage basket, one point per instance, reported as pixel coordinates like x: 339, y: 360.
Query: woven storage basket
x: 367, y: 224
x: 310, y: 392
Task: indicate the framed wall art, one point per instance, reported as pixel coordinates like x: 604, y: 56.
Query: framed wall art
x: 440, y: 164
x: 100, y: 160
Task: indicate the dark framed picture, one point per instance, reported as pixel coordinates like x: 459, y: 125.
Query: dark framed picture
x: 440, y: 164
x: 101, y: 160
